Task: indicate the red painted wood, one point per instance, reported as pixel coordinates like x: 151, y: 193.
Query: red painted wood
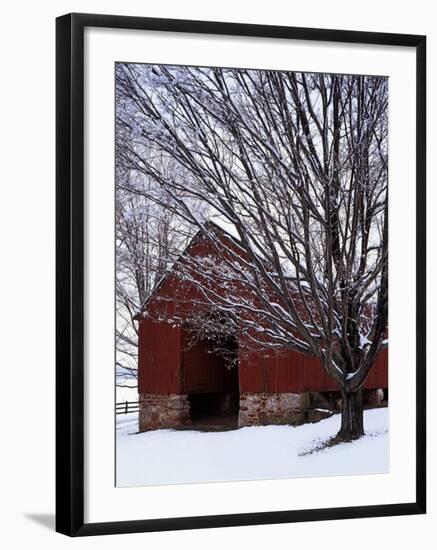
x: 159, y: 353
x: 294, y: 372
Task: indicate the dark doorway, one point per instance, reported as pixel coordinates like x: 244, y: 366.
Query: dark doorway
x: 210, y: 378
x: 214, y: 411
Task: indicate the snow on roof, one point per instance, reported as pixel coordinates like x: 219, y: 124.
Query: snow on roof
x: 224, y: 226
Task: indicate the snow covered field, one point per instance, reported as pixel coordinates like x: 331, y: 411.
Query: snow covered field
x: 164, y: 457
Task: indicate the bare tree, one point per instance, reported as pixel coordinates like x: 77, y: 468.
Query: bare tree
x: 149, y: 237
x: 295, y: 166
x: 138, y: 258
x: 148, y: 240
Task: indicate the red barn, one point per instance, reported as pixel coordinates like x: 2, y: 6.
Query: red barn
x: 181, y: 384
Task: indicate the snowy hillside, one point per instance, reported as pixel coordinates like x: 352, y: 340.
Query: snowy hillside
x: 264, y: 452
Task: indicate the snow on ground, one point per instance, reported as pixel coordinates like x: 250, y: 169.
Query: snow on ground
x: 164, y: 457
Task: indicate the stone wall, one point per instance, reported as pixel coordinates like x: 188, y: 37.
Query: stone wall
x: 163, y: 411
x: 272, y: 408
x: 260, y: 409
x: 256, y: 409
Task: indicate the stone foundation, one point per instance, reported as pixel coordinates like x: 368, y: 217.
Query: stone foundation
x: 256, y: 409
x: 163, y: 411
x: 260, y: 409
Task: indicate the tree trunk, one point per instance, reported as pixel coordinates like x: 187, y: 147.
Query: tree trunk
x: 352, y: 425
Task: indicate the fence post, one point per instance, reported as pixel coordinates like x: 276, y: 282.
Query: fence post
x: 126, y: 407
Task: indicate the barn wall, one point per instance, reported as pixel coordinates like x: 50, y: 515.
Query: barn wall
x: 378, y: 375
x: 167, y: 366
x: 158, y: 357
x: 295, y: 372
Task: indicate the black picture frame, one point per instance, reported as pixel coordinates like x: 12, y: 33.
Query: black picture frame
x: 70, y: 273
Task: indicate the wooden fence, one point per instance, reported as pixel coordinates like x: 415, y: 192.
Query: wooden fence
x: 126, y: 407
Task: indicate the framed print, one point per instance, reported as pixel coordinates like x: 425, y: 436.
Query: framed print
x: 240, y: 274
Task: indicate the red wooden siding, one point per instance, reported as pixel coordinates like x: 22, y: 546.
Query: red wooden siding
x: 295, y: 372
x: 203, y: 372
x: 378, y: 375
x: 159, y: 353
x: 168, y: 365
